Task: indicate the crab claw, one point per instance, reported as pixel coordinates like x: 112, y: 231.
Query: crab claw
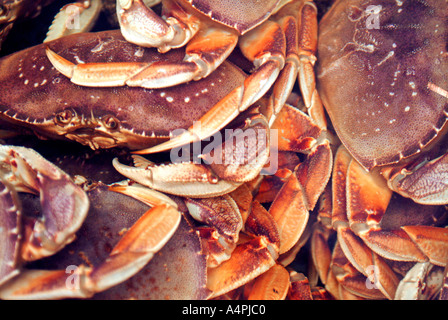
x: 184, y: 179
x: 424, y: 183
x: 74, y: 18
x: 229, y: 163
x: 64, y: 204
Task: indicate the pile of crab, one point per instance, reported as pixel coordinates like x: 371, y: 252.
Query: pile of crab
x: 199, y: 149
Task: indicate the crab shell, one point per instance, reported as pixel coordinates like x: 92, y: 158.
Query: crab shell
x: 240, y: 15
x: 12, y: 10
x: 383, y: 85
x: 37, y: 96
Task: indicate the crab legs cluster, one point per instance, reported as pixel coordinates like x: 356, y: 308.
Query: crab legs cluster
x: 383, y: 221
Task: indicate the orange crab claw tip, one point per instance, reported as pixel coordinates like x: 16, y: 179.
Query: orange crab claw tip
x: 62, y: 65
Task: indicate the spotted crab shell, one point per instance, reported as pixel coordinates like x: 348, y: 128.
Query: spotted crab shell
x: 240, y: 15
x: 382, y: 74
x: 34, y: 94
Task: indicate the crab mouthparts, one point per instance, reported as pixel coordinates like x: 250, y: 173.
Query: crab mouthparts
x: 96, y: 139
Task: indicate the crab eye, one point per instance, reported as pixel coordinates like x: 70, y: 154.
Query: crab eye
x: 110, y: 122
x: 64, y: 117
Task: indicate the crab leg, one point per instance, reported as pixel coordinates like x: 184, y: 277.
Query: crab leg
x: 183, y: 179
x: 307, y: 53
x: 200, y: 60
x: 132, y: 253
x: 248, y: 261
x: 308, y: 180
x: 299, y: 24
x: 271, y: 285
x: 363, y: 204
x: 382, y: 281
x: 209, y: 47
x: 223, y: 218
x: 421, y: 282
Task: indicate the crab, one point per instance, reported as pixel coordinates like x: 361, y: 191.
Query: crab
x: 386, y: 91
x: 49, y: 255
x: 80, y: 270
x: 99, y: 117
x: 253, y: 257
x: 280, y: 48
x: 233, y: 259
x: 265, y: 236
x: 381, y: 76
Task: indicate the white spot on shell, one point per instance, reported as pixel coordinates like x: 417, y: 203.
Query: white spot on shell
x: 139, y: 52
x: 407, y: 109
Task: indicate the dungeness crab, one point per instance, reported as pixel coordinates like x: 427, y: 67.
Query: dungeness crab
x: 279, y: 47
x: 382, y: 76
x: 118, y: 117
x: 384, y: 87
